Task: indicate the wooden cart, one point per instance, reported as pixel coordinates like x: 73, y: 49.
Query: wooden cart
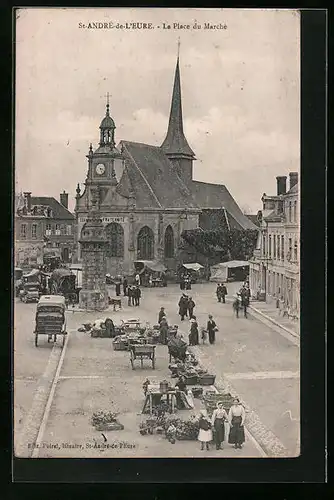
x: 142, y: 352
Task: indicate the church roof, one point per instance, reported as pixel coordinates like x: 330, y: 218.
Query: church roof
x: 175, y: 142
x: 155, y: 183
x: 217, y: 196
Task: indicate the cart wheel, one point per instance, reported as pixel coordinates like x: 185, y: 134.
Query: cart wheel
x: 36, y: 339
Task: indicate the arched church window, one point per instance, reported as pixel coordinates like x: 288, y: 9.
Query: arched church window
x: 145, y: 244
x: 115, y: 235
x: 169, y: 242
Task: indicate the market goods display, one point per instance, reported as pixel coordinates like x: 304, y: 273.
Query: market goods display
x: 106, y: 421
x: 185, y: 429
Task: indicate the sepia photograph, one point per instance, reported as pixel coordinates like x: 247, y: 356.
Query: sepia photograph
x: 156, y: 233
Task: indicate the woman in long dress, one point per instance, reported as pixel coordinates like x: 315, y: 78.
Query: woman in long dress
x: 211, y: 329
x: 219, y: 417
x: 236, y: 418
x: 163, y: 330
x: 193, y: 336
x: 205, y: 430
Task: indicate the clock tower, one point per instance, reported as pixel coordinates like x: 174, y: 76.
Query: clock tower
x: 105, y: 164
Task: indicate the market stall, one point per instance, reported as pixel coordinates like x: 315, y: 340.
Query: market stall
x: 151, y: 272
x: 233, y: 270
x: 195, y: 270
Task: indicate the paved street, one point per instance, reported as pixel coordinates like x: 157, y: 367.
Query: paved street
x: 260, y: 364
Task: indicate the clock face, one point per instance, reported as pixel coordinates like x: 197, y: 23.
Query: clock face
x: 100, y: 169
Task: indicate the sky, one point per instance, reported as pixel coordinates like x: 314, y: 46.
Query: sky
x: 240, y: 93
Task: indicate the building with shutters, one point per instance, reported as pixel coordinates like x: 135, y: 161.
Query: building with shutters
x: 42, y: 225
x: 274, y: 268
x: 147, y: 196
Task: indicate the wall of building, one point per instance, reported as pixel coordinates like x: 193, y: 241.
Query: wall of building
x: 30, y: 242
x: 274, y: 268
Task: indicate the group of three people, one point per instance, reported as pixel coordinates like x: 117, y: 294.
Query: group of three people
x: 214, y: 428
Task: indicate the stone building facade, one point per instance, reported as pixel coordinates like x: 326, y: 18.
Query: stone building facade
x: 147, y: 195
x: 274, y: 268
x: 42, y: 224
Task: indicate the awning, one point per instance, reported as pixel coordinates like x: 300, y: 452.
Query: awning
x: 153, y: 265
x: 231, y: 264
x: 195, y: 266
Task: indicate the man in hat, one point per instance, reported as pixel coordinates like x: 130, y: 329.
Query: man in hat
x: 161, y: 314
x: 130, y: 295
x: 191, y: 305
x: 137, y: 295
x: 183, y: 306
x: 125, y: 286
x: 223, y: 292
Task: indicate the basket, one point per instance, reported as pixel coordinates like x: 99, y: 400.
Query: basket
x: 197, y: 392
x: 191, y: 380
x: 120, y: 346
x: 207, y: 379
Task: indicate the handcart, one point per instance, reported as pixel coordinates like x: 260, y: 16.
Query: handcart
x: 146, y: 351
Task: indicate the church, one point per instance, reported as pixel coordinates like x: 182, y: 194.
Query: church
x: 147, y: 196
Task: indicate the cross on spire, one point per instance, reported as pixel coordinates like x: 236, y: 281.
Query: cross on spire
x: 107, y: 96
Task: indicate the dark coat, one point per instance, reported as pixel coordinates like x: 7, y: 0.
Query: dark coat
x: 224, y: 290
x: 191, y: 304
x: 136, y: 293
x: 183, y: 306
x: 211, y: 326
x: 161, y: 315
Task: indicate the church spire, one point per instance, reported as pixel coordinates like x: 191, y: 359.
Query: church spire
x: 175, y: 143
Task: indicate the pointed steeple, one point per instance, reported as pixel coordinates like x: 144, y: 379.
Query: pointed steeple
x: 175, y: 143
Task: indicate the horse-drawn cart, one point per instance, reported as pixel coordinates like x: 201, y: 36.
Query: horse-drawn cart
x: 142, y: 351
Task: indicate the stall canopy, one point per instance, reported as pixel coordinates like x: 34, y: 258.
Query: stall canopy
x: 152, y: 265
x: 194, y: 266
x: 219, y: 272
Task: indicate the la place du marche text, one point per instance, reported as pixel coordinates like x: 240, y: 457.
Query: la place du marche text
x: 151, y: 26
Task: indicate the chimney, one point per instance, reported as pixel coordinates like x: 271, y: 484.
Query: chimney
x: 293, y: 179
x: 281, y: 184
x: 27, y: 200
x: 64, y: 199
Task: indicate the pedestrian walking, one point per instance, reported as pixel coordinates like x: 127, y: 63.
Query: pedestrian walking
x: 236, y: 305
x: 219, y: 292
x: 245, y: 296
x: 219, y: 417
x: 223, y: 291
x: 137, y: 295
x: 193, y: 335
x: 236, y: 418
x: 183, y: 305
x: 130, y: 292
x: 161, y: 314
x: 150, y: 281
x: 164, y: 279
x: 118, y: 288
x: 182, y: 283
x: 163, y: 330
x: 211, y: 329
x: 125, y: 286
x: 190, y: 306
x: 137, y: 279
x: 205, y: 430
